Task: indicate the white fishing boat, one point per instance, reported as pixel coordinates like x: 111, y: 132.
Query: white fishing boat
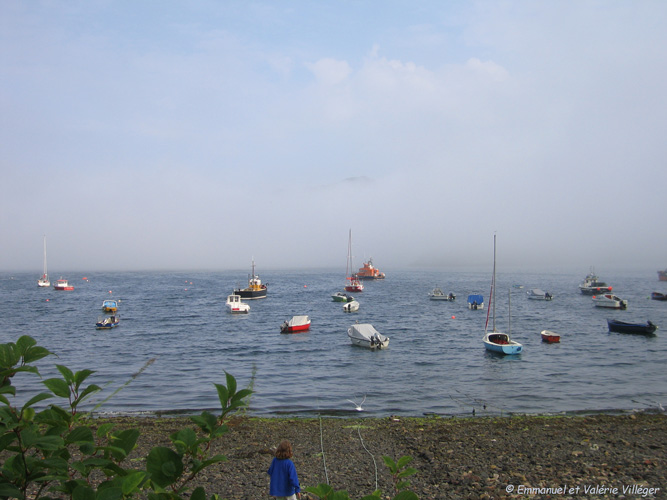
x: 365, y: 335
x: 44, y: 281
x: 235, y: 305
x: 438, y: 294
x: 495, y: 341
x: 610, y: 301
x: 351, y: 306
x: 592, y: 284
x: 538, y: 294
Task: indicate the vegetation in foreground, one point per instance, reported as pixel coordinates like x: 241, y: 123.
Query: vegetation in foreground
x: 57, y: 452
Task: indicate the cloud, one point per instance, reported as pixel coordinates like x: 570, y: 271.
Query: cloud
x: 329, y: 71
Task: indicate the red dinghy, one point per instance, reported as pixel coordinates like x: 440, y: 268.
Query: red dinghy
x: 550, y: 337
x: 295, y: 325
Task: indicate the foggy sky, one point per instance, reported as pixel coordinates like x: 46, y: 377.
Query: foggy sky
x: 200, y: 135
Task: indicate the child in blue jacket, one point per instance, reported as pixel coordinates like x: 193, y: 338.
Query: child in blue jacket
x: 284, y: 481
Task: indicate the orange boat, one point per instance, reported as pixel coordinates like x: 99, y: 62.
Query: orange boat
x: 369, y: 272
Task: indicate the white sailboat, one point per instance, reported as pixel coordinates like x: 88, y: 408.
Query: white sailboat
x: 495, y: 341
x: 44, y: 281
x: 353, y: 285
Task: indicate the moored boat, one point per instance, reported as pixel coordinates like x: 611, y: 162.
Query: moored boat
x: 550, y: 337
x: 475, y: 302
x: 255, y: 289
x: 370, y: 272
x: 592, y: 285
x: 110, y: 306
x: 234, y: 305
x: 342, y: 297
x: 662, y: 275
x: 438, y: 294
x: 351, y: 306
x: 62, y: 284
x: 107, y: 323
x: 658, y: 296
x: 610, y: 301
x: 353, y: 284
x: 495, y: 341
x: 538, y: 294
x: 295, y: 324
x: 365, y: 335
x: 44, y: 281
x: 647, y: 328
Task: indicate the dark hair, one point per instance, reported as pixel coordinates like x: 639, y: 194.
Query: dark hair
x: 284, y: 450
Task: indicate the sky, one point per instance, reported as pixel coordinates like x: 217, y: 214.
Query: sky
x: 159, y: 135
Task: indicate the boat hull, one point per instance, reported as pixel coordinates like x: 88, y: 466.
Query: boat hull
x: 107, y: 323
x: 609, y: 301
x: 63, y: 286
x: 249, y: 294
x: 342, y: 297
x: 351, y: 306
x: 500, y: 343
x: 658, y: 296
x: 550, y: 337
x: 364, y: 335
x: 354, y: 288
x: 296, y: 329
x: 647, y: 328
x: 238, y: 310
x: 296, y: 325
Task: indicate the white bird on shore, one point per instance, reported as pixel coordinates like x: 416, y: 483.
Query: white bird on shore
x: 358, y: 406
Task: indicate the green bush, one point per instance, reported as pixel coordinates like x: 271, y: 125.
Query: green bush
x: 55, y: 451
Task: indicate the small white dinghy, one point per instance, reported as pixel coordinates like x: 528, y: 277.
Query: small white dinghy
x: 351, y: 306
x: 365, y: 335
x: 236, y: 306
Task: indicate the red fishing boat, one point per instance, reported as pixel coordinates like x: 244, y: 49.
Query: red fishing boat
x: 62, y: 284
x: 550, y: 337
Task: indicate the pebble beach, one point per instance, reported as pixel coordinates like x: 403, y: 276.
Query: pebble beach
x: 538, y: 457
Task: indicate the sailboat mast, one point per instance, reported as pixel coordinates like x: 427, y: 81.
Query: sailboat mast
x: 493, y: 283
x: 45, y: 272
x: 348, y: 268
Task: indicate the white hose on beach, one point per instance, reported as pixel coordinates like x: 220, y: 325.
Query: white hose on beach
x: 367, y: 451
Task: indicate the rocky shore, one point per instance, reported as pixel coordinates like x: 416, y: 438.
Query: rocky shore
x: 596, y: 457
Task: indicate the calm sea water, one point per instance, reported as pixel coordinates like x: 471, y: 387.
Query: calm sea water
x: 435, y: 363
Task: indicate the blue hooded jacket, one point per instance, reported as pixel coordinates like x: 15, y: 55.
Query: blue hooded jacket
x: 284, y: 481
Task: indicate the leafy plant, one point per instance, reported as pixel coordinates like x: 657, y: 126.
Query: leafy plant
x: 58, y: 451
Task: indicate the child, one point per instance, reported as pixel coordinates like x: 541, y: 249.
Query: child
x: 284, y: 481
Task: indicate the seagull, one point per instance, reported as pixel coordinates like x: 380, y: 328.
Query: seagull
x: 358, y: 406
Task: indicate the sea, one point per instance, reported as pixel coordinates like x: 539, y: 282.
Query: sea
x: 176, y: 340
